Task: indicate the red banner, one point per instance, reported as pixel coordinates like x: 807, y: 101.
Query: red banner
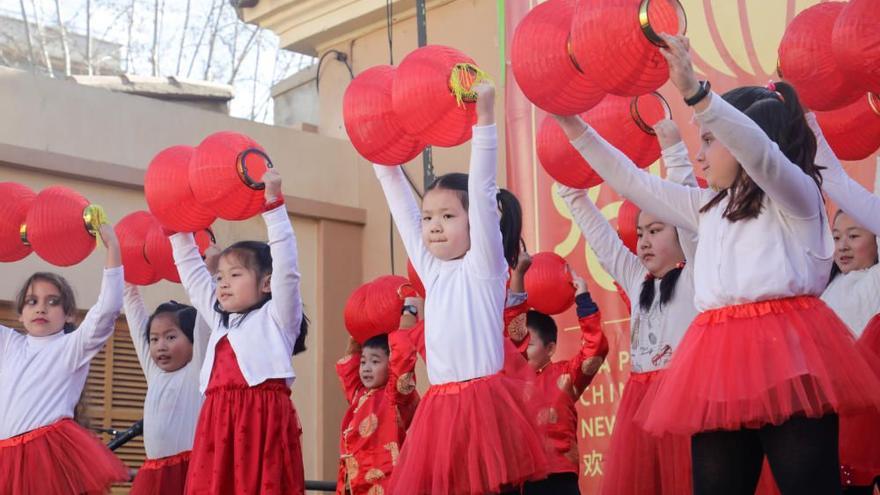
x: 729, y: 52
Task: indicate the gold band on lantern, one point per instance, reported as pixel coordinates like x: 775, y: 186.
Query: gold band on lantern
x: 874, y: 102
x: 637, y: 117
x: 94, y: 217
x: 22, y: 233
x: 244, y: 175
x: 568, y: 49
x: 462, y: 80
x: 648, y: 30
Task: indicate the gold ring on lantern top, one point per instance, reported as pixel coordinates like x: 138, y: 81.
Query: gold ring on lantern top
x: 874, y: 102
x: 637, y: 118
x: 648, y: 29
x: 94, y: 217
x: 241, y: 167
x: 571, y: 57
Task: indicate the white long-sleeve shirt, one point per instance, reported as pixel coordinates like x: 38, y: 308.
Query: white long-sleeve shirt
x: 464, y: 312
x: 173, y: 401
x: 656, y: 333
x: 849, y: 195
x: 854, y: 296
x: 786, y: 251
x: 263, y: 341
x: 42, y: 378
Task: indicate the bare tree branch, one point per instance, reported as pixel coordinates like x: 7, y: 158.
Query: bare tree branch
x: 64, y: 44
x: 244, y: 53
x: 213, y: 39
x: 27, y: 34
x: 201, y: 37
x: 41, y: 38
x: 256, y: 75
x: 128, y: 43
x: 154, y: 53
x: 89, y: 37
x: 183, y: 36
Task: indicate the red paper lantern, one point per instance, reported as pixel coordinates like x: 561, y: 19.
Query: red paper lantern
x: 132, y: 232
x: 853, y: 132
x: 414, y: 279
x: 168, y: 193
x: 423, y: 99
x: 627, y: 224
x: 159, y: 254
x: 371, y: 123
x: 374, y: 308
x: 855, y: 42
x: 615, y: 42
x: 62, y: 226
x: 548, y: 283
x: 15, y: 200
x: 626, y: 123
x: 225, y: 173
x: 807, y: 60
x: 542, y: 63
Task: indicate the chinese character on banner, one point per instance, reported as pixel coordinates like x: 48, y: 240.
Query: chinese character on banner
x: 733, y: 44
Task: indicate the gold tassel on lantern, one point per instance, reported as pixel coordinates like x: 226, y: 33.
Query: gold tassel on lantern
x: 463, y: 78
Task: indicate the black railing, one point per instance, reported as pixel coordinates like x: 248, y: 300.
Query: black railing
x: 120, y: 438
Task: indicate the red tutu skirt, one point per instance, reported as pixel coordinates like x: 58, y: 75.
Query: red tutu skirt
x: 761, y: 363
x: 247, y: 438
x: 639, y: 463
x: 163, y: 476
x: 472, y: 437
x: 60, y: 458
x: 860, y: 433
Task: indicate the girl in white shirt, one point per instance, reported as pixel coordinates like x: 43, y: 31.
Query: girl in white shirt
x: 248, y: 434
x: 659, y: 277
x: 170, y: 346
x: 766, y: 367
x: 42, y: 374
x: 472, y: 432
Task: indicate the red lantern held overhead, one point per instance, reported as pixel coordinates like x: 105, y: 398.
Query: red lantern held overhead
x: 626, y: 123
x: 853, y: 132
x: 627, y: 220
x: 808, y: 62
x: 15, y: 200
x: 616, y: 42
x: 374, y: 308
x: 855, y: 42
x: 548, y: 283
x: 371, y: 123
x: 542, y: 63
x: 132, y: 232
x: 157, y: 250
x: 225, y: 174
x: 62, y: 226
x: 168, y: 193
x: 431, y: 95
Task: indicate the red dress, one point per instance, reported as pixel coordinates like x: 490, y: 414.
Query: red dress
x: 557, y: 388
x: 62, y: 457
x: 162, y: 476
x: 247, y: 438
x: 374, y: 426
x: 860, y: 434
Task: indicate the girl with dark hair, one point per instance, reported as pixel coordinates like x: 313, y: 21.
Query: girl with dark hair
x: 170, y: 346
x: 42, y: 375
x: 248, y: 434
x: 660, y: 276
x: 766, y: 367
x: 472, y: 432
x: 854, y: 294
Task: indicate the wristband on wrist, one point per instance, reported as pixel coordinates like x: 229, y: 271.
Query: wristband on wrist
x: 705, y: 87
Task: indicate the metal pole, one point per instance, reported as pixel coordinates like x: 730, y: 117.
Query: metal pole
x: 422, y: 29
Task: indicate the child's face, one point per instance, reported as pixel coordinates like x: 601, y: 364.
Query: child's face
x: 170, y: 349
x: 43, y: 310
x: 854, y: 247
x: 539, y: 353
x: 374, y: 367
x: 658, y: 248
x: 718, y: 165
x: 237, y: 286
x: 445, y: 228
